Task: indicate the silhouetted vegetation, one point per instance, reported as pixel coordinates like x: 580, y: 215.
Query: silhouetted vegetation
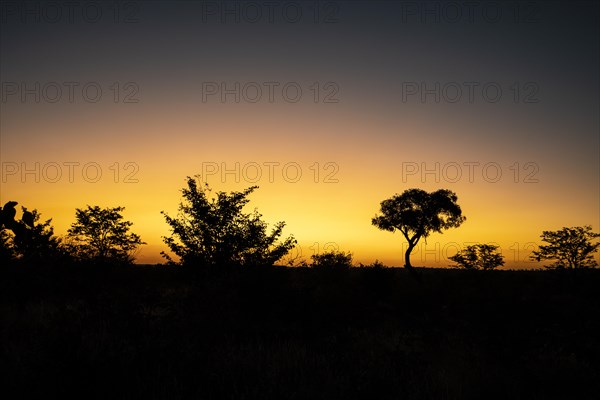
x: 27, y: 240
x: 374, y: 264
x: 479, y: 256
x: 209, y: 232
x: 6, y: 252
x: 319, y: 331
x: 101, y: 235
x: 417, y: 214
x: 332, y: 259
x: 299, y: 333
x: 571, y: 248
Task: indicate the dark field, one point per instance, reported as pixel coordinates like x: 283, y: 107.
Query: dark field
x: 276, y: 333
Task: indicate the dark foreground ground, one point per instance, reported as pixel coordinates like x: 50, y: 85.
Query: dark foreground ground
x: 158, y: 333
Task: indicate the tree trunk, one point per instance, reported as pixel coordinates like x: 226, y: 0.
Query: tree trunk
x: 408, y: 265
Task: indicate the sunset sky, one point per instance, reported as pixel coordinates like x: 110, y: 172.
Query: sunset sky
x: 366, y: 125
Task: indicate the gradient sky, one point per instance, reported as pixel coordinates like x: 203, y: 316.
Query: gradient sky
x: 547, y: 151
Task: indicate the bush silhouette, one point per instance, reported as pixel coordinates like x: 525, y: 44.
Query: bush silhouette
x: 571, y: 248
x: 332, y: 259
x: 478, y: 256
x: 27, y: 240
x: 101, y: 235
x: 217, y: 232
x: 375, y: 264
x: 7, y: 252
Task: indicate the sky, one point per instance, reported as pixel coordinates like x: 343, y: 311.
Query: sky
x: 328, y: 107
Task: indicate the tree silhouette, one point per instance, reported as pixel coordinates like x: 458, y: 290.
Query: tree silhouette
x: 417, y: 213
x: 26, y: 239
x: 332, y: 259
x: 216, y: 231
x: 8, y: 214
x: 39, y: 242
x: 478, y: 256
x: 570, y: 247
x: 7, y: 252
x: 7, y: 218
x: 101, y: 235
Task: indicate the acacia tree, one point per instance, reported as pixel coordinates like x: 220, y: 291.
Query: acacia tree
x: 417, y: 213
x: 101, y: 235
x: 571, y: 248
x: 216, y: 231
x: 479, y: 256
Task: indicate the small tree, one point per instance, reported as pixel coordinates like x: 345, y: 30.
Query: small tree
x: 217, y: 232
x: 332, y: 259
x: 417, y: 214
x: 571, y: 248
x: 478, y: 256
x: 36, y: 241
x: 101, y: 235
x: 27, y: 240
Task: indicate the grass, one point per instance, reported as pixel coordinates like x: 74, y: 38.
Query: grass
x: 297, y: 333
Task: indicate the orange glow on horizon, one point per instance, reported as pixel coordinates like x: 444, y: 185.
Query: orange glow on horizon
x: 345, y: 173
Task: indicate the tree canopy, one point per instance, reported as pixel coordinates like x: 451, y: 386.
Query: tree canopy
x: 216, y: 231
x: 479, y: 256
x: 27, y: 240
x: 102, y: 235
x: 570, y: 248
x: 417, y: 213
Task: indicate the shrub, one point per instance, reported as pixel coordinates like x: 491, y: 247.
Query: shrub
x: 478, y: 256
x: 332, y: 259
